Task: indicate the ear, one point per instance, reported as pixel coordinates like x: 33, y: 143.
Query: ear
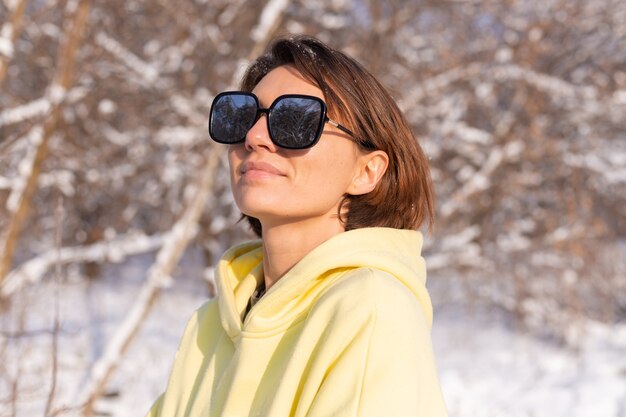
x: 371, y: 168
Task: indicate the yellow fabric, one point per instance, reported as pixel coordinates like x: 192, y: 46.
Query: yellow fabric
x: 346, y: 332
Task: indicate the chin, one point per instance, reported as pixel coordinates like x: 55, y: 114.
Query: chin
x: 258, y: 206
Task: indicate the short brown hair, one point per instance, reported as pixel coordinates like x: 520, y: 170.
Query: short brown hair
x: 404, y: 197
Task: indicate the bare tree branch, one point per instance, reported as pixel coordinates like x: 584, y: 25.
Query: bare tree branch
x: 79, y: 11
x: 169, y: 255
x: 116, y: 250
x: 56, y: 326
x: 8, y: 34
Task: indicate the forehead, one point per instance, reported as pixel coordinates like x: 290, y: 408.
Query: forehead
x: 284, y: 80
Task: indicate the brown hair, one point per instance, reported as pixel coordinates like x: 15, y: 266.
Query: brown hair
x: 404, y: 197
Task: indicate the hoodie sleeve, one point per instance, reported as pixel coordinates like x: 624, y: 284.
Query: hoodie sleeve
x: 387, y: 367
x: 188, y: 360
x: 155, y: 410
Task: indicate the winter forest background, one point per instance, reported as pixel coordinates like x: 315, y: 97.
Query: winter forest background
x: 114, y: 203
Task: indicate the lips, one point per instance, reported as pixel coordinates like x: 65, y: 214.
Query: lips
x: 260, y: 168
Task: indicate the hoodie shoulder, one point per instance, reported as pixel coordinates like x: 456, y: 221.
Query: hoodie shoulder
x: 377, y: 348
x: 200, y: 327
x: 367, y: 292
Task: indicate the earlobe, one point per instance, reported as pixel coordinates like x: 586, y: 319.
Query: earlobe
x: 371, y: 169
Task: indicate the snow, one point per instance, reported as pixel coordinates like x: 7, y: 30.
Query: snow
x: 107, y: 106
x: 612, y: 166
x: 6, y: 40
x: 56, y: 94
x: 269, y: 16
x: 179, y: 136
x: 619, y: 97
x: 25, y: 167
x: 114, y: 250
x: 478, y: 182
x: 145, y: 70
x: 488, y: 367
x: 26, y: 111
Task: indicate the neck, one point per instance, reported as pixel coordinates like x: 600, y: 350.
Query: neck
x: 284, y: 245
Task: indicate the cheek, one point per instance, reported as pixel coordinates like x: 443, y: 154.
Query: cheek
x: 328, y: 177
x: 235, y: 159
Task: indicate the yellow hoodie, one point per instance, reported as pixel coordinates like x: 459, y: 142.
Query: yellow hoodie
x: 346, y: 332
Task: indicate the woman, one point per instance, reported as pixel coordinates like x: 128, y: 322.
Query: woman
x: 327, y: 314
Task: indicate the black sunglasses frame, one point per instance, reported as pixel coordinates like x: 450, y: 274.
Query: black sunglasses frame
x: 268, y: 115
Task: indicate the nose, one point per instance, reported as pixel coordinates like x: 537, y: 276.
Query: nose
x: 259, y: 136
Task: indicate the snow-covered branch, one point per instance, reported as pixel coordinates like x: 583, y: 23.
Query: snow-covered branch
x: 8, y: 33
x: 115, y: 250
x: 481, y: 180
x: 432, y: 85
x: 612, y: 166
x: 26, y: 111
x: 20, y: 200
x: 25, y: 169
x: 270, y: 17
x: 54, y: 97
x: 587, y: 95
x: 143, y: 69
x: 457, y: 250
x: 158, y: 277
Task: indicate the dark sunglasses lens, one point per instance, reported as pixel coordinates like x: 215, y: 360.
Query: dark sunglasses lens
x: 232, y: 116
x: 296, y: 122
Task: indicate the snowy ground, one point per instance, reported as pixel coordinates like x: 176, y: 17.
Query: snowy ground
x: 487, y: 368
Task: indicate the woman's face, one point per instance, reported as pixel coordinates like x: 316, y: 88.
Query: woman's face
x: 279, y: 186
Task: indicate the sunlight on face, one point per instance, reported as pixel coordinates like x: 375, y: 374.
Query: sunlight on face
x: 280, y: 186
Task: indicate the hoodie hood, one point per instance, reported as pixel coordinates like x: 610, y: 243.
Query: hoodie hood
x: 394, y: 251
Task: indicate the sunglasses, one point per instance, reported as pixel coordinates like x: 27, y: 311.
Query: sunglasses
x: 294, y: 121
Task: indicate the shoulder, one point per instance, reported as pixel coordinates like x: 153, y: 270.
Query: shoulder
x: 203, y: 313
x: 206, y: 310
x: 369, y: 293
x: 202, y: 319
x: 199, y: 333
x: 370, y: 285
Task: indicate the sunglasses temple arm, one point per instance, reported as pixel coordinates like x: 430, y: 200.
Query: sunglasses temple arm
x: 338, y: 126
